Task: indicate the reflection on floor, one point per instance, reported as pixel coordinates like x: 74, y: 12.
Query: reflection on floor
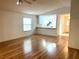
x: 36, y: 47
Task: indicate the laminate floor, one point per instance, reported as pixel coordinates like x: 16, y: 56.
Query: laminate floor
x: 38, y: 47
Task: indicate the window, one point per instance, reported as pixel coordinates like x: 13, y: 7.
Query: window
x: 27, y: 24
x: 47, y: 21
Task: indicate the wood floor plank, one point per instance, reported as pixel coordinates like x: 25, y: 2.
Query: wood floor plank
x: 38, y: 47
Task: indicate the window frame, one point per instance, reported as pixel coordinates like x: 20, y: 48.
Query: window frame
x: 26, y: 24
x: 47, y: 27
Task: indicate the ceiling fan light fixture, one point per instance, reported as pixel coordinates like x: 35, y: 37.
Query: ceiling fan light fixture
x: 19, y: 2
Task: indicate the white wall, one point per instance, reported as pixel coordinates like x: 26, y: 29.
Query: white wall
x: 1, y: 26
x: 74, y: 25
x: 43, y: 31
x: 11, y: 25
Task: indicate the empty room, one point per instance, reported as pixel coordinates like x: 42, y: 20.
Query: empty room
x: 39, y: 29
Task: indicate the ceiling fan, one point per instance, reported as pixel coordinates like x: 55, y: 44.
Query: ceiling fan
x: 19, y: 2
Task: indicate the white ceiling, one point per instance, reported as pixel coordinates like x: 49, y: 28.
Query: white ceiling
x: 37, y: 8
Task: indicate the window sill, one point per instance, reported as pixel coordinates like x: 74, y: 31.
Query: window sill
x: 27, y: 31
x: 44, y: 28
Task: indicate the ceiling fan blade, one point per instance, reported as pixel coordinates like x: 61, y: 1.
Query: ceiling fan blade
x: 27, y: 2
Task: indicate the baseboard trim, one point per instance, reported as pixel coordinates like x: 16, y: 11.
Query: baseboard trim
x: 47, y: 35
x: 73, y: 48
x: 15, y: 39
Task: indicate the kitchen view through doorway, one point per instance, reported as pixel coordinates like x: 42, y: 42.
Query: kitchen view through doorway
x: 64, y: 25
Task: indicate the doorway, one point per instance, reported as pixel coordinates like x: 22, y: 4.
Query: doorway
x: 64, y: 24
